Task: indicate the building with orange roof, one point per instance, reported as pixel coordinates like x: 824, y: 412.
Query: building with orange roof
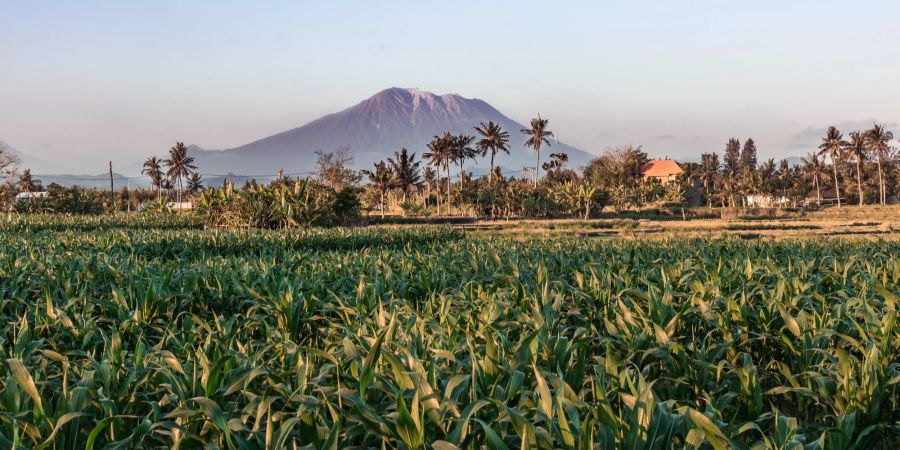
x: 663, y: 170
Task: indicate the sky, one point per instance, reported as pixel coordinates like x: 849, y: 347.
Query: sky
x: 82, y: 83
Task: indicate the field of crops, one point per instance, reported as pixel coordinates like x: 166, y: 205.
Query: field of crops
x: 131, y: 336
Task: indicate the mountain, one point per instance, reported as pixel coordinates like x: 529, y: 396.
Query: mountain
x: 27, y: 161
x: 100, y: 181
x: 386, y: 122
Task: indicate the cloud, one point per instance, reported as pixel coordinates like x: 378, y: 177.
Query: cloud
x: 810, y: 137
x: 665, y: 137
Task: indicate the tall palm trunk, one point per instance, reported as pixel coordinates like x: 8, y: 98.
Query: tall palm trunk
x: 818, y: 192
x: 449, y: 194
x: 837, y: 186
x: 880, y: 182
x: 437, y: 193
x: 382, y: 204
x: 706, y: 185
x: 537, y: 165
x: 862, y: 193
x: 491, y: 173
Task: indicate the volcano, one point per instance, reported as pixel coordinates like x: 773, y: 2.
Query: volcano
x: 374, y: 129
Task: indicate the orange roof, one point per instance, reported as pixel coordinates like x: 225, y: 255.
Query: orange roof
x: 660, y: 168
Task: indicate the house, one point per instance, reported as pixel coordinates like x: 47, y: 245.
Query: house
x: 663, y: 170
x: 179, y: 206
x: 27, y: 196
x: 829, y: 197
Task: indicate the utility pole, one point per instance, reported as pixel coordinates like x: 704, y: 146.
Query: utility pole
x: 112, y: 192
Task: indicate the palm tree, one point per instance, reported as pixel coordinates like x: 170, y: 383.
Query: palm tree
x: 461, y: 151
x: 493, y: 140
x: 179, y: 165
x: 153, y: 169
x: 857, y: 151
x: 194, y: 183
x: 709, y: 171
x: 813, y: 166
x: 383, y: 180
x: 785, y: 175
x: 439, y: 154
x: 537, y: 135
x: 430, y: 178
x: 406, y: 171
x: 833, y: 145
x: 878, y: 143
x: 767, y: 177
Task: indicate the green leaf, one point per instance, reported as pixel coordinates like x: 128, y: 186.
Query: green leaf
x: 368, y: 372
x: 493, y: 440
x: 545, y: 399
x: 406, y: 426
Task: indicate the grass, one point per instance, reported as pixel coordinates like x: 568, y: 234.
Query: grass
x: 163, y: 336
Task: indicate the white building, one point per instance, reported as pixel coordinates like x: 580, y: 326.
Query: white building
x: 25, y: 196
x: 766, y: 201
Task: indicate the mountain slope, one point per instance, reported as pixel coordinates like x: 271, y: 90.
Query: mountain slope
x: 27, y: 161
x: 391, y: 119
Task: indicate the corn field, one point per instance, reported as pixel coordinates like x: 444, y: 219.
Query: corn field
x: 163, y: 336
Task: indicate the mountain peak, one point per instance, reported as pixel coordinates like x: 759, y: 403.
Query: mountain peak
x: 413, y: 94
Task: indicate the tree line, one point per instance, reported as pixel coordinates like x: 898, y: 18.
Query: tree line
x: 861, y: 167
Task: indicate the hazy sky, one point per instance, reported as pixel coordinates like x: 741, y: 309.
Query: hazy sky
x: 88, y: 81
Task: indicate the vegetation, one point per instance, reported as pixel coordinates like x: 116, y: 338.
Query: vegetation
x: 143, y: 335
x: 537, y: 136
x: 283, y: 204
x: 862, y: 169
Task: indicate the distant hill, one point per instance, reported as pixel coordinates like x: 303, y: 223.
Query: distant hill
x: 386, y: 122
x: 100, y: 181
x: 27, y: 161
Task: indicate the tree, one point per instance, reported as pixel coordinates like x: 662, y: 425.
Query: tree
x: 8, y: 161
x: 27, y: 182
x: 878, y: 141
x: 537, y: 136
x: 153, y: 169
x: 812, y: 165
x: 709, y: 172
x: 785, y: 176
x: 556, y: 171
x: 493, y: 140
x: 617, y: 166
x: 332, y: 168
x: 179, y: 165
x: 430, y: 177
x: 833, y: 145
x: 748, y: 155
x: 439, y: 154
x: 194, y: 183
x: 577, y: 196
x: 766, y: 177
x: 382, y: 178
x: 856, y: 150
x: 732, y: 159
x: 461, y: 150
x: 406, y: 171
